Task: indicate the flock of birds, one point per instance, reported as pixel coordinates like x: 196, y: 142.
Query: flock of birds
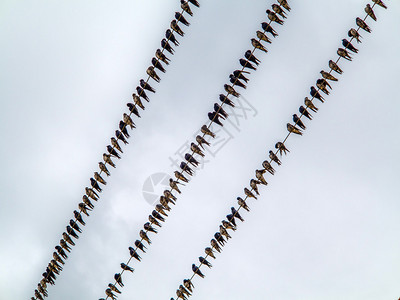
x: 237, y: 78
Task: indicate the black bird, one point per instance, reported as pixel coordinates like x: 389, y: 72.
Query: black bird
x: 133, y: 109
x: 276, y: 8
x: 203, y: 261
x: 200, y: 140
x: 322, y: 84
x: 197, y: 271
x: 95, y: 185
x: 74, y: 225
x: 314, y: 93
x: 236, y: 214
x: 78, y: 217
x: 138, y: 101
x: 284, y: 4
x: 246, y: 64
x: 268, y: 28
x: 380, y: 3
x: 126, y: 267
x: 362, y: 24
x: 64, y: 245
x: 142, y: 93
x: 220, y: 110
x: 343, y: 53
x: 72, y: 232
x: 349, y: 46
x: 220, y: 239
x: 147, y: 226
x: 118, y: 279
x: 191, y: 160
x: 231, y: 219
x: 354, y: 34
x: 161, y: 56
x: 226, y: 100
x: 180, y: 18
x: 188, y: 284
x: 134, y: 254
x: 146, y: 86
x: 167, y: 46
x: 235, y: 81
x: 274, y: 157
x: 157, y: 216
x: 61, y: 251
x: 196, y: 148
x: 213, y: 116
x: 157, y: 64
x: 195, y: 3
x: 231, y: 90
x: 58, y: 258
x: 170, y: 36
x: 175, y: 27
x: 184, y: 166
x: 122, y: 127
x: 297, y: 121
x: 153, y: 221
x: 83, y: 208
x: 239, y: 74
x: 120, y: 136
x: 250, y: 56
x: 140, y: 245
x: 305, y: 112
x: 186, y: 7
x: 112, y: 151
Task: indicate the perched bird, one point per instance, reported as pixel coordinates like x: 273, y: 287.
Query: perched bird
x: 64, y: 245
x: 150, y: 71
x: 298, y: 122
x: 204, y: 129
x: 284, y: 4
x: 250, y: 56
x: 159, y: 208
x: 67, y: 238
x: 236, y: 214
x: 78, y: 217
x: 133, y: 109
x: 185, y: 167
x: 171, y: 37
x: 268, y: 28
x: 114, y: 153
x: 274, y: 157
x: 322, y: 85
x: 235, y: 81
x: 83, y: 208
x: 86, y: 200
x: 262, y: 36
x: 349, y: 46
x: 185, y: 6
x: 246, y: 64
x: 304, y: 111
x: 57, y: 257
x: 110, y: 294
x: 197, y: 271
x: 140, y: 245
x: 107, y: 159
x: 220, y: 239
x: 164, y: 202
x: 75, y: 226
x: 229, y: 225
x: 156, y: 63
x: 180, y: 18
x: 380, y: 3
x: 218, y: 109
x: 231, y: 90
x: 224, y: 99
x: 354, y: 34
x: 281, y: 147
x: 38, y: 295
x: 180, y: 295
x: 188, y: 284
x: 161, y: 56
x: 134, y: 254
x: 126, y: 267
x: 146, y: 86
x: 253, y: 185
x: 203, y: 261
x: 141, y: 93
x: 343, y: 53
x: 137, y: 101
x: 335, y: 67
x: 256, y: 44
x: 362, y: 24
x: 239, y: 74
x: 114, y: 288
x: 169, y: 196
x: 153, y: 221
x: 179, y: 176
x: 328, y: 76
x: 156, y: 215
x: 293, y: 129
x: 209, y: 252
x: 173, y: 185
x: 195, y: 3
x: 120, y: 136
x: 273, y: 17
x: 61, y: 251
x: 144, y: 236
x: 368, y: 9
x: 91, y: 193
x: 310, y: 105
x: 175, y: 27
x: 72, y: 232
x: 214, y: 117
x: 276, y: 8
x: 260, y: 176
x: 184, y: 291
x: 200, y: 140
x: 118, y: 279
x: 214, y: 244
x: 114, y: 142
x: 224, y: 232
x: 314, y: 93
x: 103, y: 168
x: 147, y: 226
x: 190, y: 159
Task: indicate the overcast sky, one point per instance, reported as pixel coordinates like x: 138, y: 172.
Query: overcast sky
x: 326, y: 227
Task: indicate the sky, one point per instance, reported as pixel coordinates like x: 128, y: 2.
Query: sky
x: 327, y: 224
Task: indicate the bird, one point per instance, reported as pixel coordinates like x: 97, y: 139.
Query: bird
x: 335, y: 67
x: 91, y: 193
x: 249, y: 194
x: 362, y: 24
x: 134, y: 254
x: 171, y: 37
x: 147, y: 86
x: 64, y: 245
x: 78, y: 217
x: 184, y: 291
x: 253, y: 185
x: 203, y: 261
x: 153, y: 221
x: 180, y: 295
x: 61, y: 252
x: 273, y: 17
x: 120, y: 136
x: 137, y: 101
x: 229, y: 225
x: 114, y: 153
x: 144, y: 236
x: 231, y: 90
x: 298, y: 122
x: 179, y: 176
x: 197, y: 271
x: 72, y: 232
x: 281, y: 147
x: 188, y: 284
x: 99, y: 178
x: 185, y: 167
x: 169, y: 196
x: 175, y: 27
x: 246, y: 64
x: 114, y: 288
x: 107, y: 160
x: 224, y: 232
x: 74, y: 226
x: 165, y: 45
x: 68, y: 239
x: 164, y: 202
x: 326, y: 75
x: 140, y: 245
x: 180, y: 18
x: 220, y: 239
x: 150, y: 71
x: 250, y: 56
x: 274, y: 157
x: 224, y: 99
x: 57, y: 257
x: 284, y: 4
x: 133, y: 109
x: 349, y: 46
x: 160, y: 209
x: 209, y: 252
x: 218, y: 109
x: 314, y: 93
x: 118, y: 279
x: 156, y: 215
x: 83, y: 208
x: 236, y: 214
x: 322, y: 85
x: 343, y: 53
x: 354, y: 34
x: 241, y: 203
x: 204, y: 129
x: 190, y: 159
x: 239, y: 74
x: 142, y: 93
x: 214, y: 117
x: 268, y: 28
x: 161, y: 56
x: 214, y: 244
x: 156, y: 63
x: 380, y: 3
x: 195, y: 3
x: 103, y: 168
x: 122, y: 127
x: 110, y: 294
x: 310, y: 105
x: 368, y: 9
x: 262, y: 36
x: 235, y: 81
x: 277, y: 9
x: 256, y: 44
x: 293, y: 129
x: 260, y: 176
x: 115, y: 144
x: 126, y: 267
x: 200, y: 140
x: 86, y: 200
x: 185, y: 6
x: 268, y: 167
x: 304, y: 112
x: 173, y: 185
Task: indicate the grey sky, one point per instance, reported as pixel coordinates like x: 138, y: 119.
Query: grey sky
x: 325, y: 227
